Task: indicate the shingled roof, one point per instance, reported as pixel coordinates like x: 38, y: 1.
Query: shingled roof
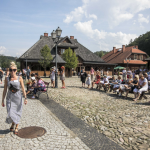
x: 80, y: 50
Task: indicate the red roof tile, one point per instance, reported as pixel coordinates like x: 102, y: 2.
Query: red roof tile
x: 135, y: 62
x: 120, y: 56
x: 138, y: 51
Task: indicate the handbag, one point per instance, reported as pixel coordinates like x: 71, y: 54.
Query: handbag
x: 13, y: 89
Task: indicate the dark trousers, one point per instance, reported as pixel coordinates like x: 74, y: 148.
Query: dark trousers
x: 37, y: 89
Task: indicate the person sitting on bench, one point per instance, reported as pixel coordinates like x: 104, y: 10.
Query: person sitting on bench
x: 40, y: 86
x: 97, y: 79
x: 111, y: 85
x: 117, y: 84
x: 105, y: 82
x: 33, y: 85
x: 142, y: 87
x: 134, y: 85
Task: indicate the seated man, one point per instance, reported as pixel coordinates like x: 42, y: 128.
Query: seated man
x: 32, y: 85
x: 105, y: 82
x: 142, y: 87
x: 40, y: 86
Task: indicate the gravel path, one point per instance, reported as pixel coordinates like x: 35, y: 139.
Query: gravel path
x: 122, y: 120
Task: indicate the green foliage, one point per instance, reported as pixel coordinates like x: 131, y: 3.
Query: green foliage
x: 47, y: 57
x: 70, y: 57
x: 143, y: 42
x: 100, y: 53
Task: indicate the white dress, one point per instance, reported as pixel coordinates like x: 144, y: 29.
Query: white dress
x: 88, y: 81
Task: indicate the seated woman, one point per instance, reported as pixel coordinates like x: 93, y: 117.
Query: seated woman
x: 117, y: 84
x: 134, y: 85
x: 127, y: 85
x: 111, y: 85
x: 97, y: 79
x: 40, y: 86
x: 32, y: 86
x: 142, y: 87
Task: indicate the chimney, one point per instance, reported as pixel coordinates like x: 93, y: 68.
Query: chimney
x: 46, y: 34
x: 136, y: 46
x: 114, y: 50
x: 123, y: 48
x: 71, y: 37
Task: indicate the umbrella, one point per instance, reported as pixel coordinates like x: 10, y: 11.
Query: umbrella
x: 119, y: 67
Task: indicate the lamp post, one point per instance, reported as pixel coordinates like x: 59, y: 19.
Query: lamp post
x: 128, y: 60
x: 56, y: 35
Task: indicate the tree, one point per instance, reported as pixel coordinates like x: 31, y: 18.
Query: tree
x: 70, y: 57
x: 100, y: 53
x: 47, y: 57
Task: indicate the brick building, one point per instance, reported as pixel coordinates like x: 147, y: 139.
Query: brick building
x: 131, y: 56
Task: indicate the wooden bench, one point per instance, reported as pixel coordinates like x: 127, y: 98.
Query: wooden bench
x: 46, y: 91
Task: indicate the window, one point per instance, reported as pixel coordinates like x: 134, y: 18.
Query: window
x: 141, y: 57
x: 135, y: 56
x: 62, y: 51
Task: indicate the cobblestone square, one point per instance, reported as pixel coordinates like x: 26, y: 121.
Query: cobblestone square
x: 57, y: 137
x: 122, y: 120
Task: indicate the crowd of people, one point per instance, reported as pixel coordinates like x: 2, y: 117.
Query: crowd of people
x: 136, y: 82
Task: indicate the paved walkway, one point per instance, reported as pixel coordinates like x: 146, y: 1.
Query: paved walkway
x: 58, y: 136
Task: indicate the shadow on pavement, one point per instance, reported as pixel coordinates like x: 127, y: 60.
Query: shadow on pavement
x: 4, y: 131
x: 146, y: 103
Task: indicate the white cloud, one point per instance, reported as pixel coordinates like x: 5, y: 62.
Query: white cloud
x: 75, y: 15
x: 114, y: 12
x: 2, y: 49
x: 93, y: 16
x: 104, y: 39
x: 142, y: 19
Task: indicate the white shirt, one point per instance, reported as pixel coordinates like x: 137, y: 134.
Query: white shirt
x: 129, y: 72
x: 53, y: 75
x: 142, y: 81
x: 124, y: 71
x: 105, y: 80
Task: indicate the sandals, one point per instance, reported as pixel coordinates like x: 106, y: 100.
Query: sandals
x: 16, y: 132
x: 12, y: 128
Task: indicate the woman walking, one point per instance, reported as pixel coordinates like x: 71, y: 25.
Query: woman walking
x: 14, y: 98
x: 62, y: 77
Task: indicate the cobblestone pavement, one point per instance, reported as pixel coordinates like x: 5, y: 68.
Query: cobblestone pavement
x: 122, y: 120
x: 58, y: 136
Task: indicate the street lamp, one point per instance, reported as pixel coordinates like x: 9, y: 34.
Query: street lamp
x: 56, y: 35
x: 128, y: 60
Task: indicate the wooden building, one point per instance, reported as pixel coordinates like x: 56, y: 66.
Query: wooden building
x: 127, y: 56
x: 86, y: 58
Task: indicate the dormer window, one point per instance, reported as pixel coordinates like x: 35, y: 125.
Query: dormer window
x: 62, y: 51
x: 141, y: 57
x: 135, y: 56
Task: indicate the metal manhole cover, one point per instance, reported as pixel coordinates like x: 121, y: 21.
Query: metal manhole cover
x: 31, y: 132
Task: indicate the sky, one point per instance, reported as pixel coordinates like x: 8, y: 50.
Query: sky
x: 96, y: 24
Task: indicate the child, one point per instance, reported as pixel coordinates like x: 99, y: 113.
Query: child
x: 88, y: 81
x: 33, y: 84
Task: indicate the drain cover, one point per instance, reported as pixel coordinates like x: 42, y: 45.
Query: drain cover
x: 31, y: 132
